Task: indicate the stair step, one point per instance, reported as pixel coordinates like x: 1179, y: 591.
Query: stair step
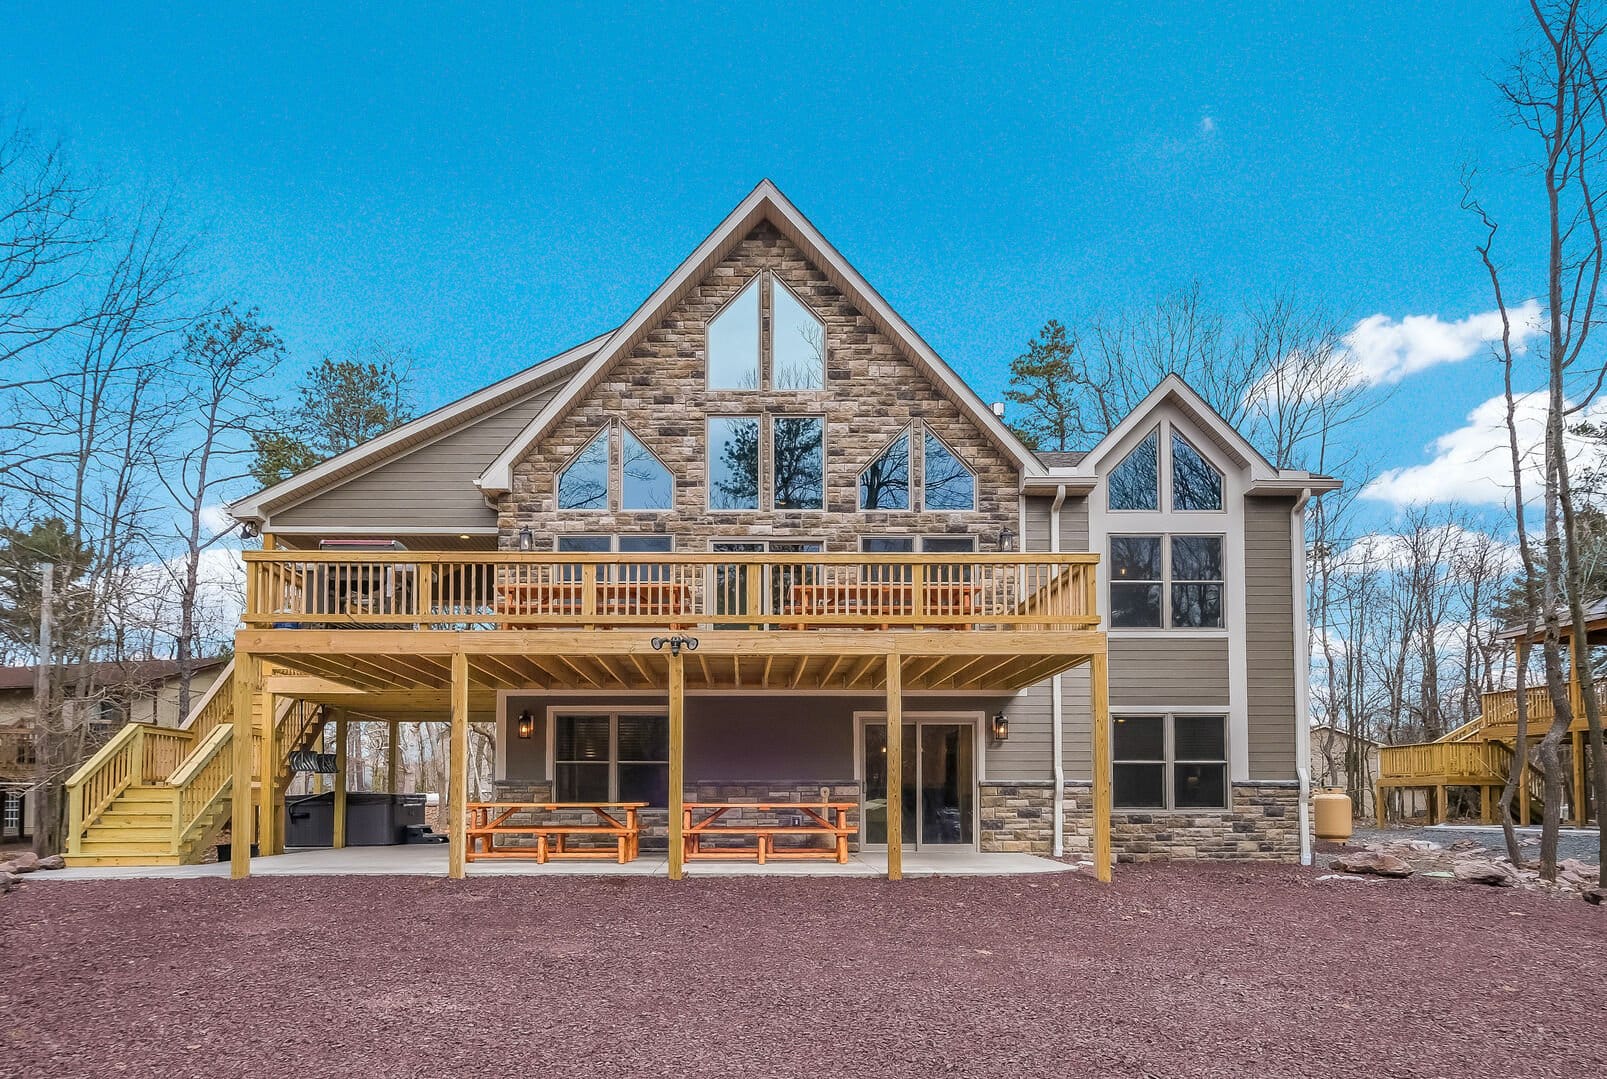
x: 119, y: 848
x: 139, y: 815
x: 90, y: 861
x: 162, y: 793
x: 118, y: 834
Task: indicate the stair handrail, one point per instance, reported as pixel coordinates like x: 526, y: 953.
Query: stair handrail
x: 1465, y: 732
x: 201, y: 782
x: 220, y: 686
x: 99, y: 780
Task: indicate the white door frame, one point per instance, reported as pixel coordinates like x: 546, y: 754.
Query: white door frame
x: 978, y: 723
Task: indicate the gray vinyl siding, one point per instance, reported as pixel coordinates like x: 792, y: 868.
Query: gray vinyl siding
x: 1158, y: 672
x: 428, y: 487
x: 1269, y: 637
x: 1073, y: 524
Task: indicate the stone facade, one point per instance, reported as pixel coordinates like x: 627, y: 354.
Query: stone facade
x: 1263, y: 824
x: 1016, y: 817
x: 872, y: 392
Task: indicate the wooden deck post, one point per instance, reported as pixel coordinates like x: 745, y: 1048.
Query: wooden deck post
x: 1380, y: 804
x: 1579, y: 779
x: 1523, y: 788
x: 458, y: 781
x: 341, y: 733
x: 677, y: 797
x: 895, y: 766
x: 242, y: 825
x: 391, y: 757
x: 267, y: 790
x: 1099, y: 692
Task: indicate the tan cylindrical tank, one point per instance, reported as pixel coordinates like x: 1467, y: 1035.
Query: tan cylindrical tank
x: 1331, y: 809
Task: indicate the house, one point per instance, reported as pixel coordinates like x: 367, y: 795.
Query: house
x: 133, y: 691
x: 759, y: 543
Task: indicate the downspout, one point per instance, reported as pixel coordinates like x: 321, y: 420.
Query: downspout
x: 1056, y: 709
x: 1297, y: 543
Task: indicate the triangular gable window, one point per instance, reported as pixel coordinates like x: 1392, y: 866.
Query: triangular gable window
x: 885, y: 483
x: 645, y: 482
x: 948, y: 484
x: 1135, y: 484
x: 583, y: 482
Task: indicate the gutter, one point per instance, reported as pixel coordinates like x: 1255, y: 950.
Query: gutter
x: 1057, y: 712
x: 1302, y: 643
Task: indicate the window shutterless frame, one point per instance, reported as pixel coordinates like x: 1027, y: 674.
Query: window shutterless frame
x: 1169, y: 582
x: 1130, y: 768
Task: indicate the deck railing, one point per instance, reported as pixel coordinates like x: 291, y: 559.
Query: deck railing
x: 339, y: 589
x: 1500, y: 709
x: 1430, y: 760
x: 204, y: 779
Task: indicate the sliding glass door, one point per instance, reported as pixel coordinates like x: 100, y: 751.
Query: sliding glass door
x: 938, y: 788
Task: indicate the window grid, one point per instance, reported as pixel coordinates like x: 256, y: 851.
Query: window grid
x: 1212, y: 769
x: 613, y: 762
x: 1177, y: 593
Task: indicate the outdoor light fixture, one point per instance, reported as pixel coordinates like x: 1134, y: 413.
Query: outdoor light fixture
x: 249, y: 530
x: 1001, y: 726
x: 676, y: 643
x: 1007, y: 540
x: 524, y: 539
x: 527, y: 724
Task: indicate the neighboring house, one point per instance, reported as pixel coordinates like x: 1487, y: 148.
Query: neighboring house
x: 765, y: 457
x: 1348, y: 762
x: 135, y: 691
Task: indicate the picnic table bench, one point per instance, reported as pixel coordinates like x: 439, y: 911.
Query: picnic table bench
x: 713, y: 822
x: 618, y: 822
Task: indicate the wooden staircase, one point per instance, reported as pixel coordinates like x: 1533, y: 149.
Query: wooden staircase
x: 1469, y: 756
x: 162, y: 795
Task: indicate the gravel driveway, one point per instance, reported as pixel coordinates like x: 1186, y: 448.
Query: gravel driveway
x: 1577, y: 843
x: 1172, y: 971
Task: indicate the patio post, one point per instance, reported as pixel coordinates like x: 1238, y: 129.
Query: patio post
x: 895, y: 767
x: 241, y: 809
x: 458, y: 781
x: 391, y: 758
x: 267, y: 791
x: 341, y: 733
x: 1100, y: 693
x: 677, y: 717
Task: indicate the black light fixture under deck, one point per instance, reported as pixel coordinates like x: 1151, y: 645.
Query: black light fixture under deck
x: 527, y: 724
x: 1000, y: 727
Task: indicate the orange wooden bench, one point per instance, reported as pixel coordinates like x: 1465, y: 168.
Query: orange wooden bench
x: 763, y: 848
x: 670, y: 600
x: 886, y: 598
x: 488, y: 820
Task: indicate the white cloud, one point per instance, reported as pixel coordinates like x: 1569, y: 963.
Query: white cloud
x: 1385, y: 350
x: 1473, y: 464
x: 1451, y: 546
x: 1207, y: 126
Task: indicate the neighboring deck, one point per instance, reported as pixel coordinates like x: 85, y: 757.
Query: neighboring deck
x: 1480, y: 753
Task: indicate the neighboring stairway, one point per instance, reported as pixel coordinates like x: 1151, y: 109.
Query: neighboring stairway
x: 1469, y: 756
x: 162, y: 795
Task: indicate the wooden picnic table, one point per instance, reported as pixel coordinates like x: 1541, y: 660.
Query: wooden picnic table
x: 487, y: 820
x: 885, y: 598
x: 695, y: 828
x: 668, y: 599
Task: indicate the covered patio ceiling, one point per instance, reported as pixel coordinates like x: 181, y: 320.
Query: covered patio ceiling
x: 411, y: 671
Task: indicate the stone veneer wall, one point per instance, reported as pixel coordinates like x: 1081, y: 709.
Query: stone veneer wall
x: 872, y: 392
x: 655, y: 822
x: 1263, y: 824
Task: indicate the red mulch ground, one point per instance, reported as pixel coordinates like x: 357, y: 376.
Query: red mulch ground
x: 1173, y: 971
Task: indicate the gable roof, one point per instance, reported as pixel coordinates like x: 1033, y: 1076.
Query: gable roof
x: 125, y: 672
x: 764, y: 203
x: 413, y: 434
x: 1173, y: 390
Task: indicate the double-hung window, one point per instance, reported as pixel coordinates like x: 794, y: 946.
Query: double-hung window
x: 611, y: 758
x: 1170, y: 761
x: 1166, y: 580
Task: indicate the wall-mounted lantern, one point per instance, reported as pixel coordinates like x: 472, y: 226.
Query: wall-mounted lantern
x: 1007, y: 540
x: 525, y: 539
x: 1000, y: 727
x: 527, y: 724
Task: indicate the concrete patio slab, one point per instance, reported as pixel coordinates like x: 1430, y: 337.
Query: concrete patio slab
x: 431, y: 860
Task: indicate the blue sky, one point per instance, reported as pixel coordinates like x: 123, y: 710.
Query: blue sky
x: 495, y: 186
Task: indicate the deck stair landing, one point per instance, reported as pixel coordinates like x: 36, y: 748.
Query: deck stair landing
x: 161, y: 795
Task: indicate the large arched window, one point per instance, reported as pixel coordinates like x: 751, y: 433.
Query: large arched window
x: 1135, y: 483
x: 733, y: 342
x: 885, y: 483
x: 645, y: 483
x: 797, y: 343
x: 583, y: 482
x: 946, y: 483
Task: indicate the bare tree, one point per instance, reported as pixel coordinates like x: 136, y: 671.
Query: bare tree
x: 221, y: 366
